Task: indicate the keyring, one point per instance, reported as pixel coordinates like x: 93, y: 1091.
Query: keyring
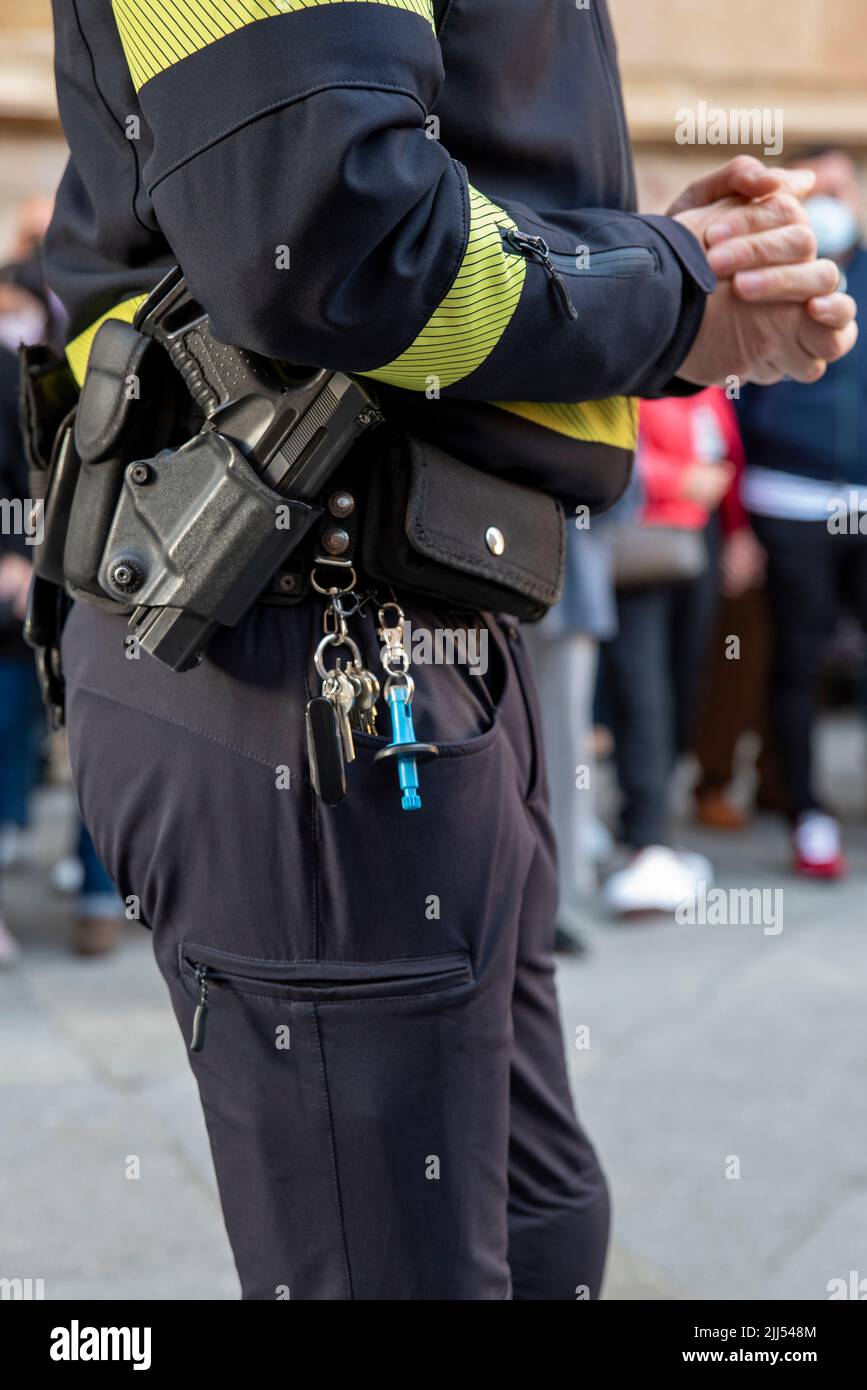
x: 333, y: 639
x: 395, y: 678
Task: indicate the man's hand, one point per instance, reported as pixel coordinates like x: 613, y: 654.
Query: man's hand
x: 746, y: 216
x: 763, y: 342
x: 776, y: 311
x: 742, y: 177
x: 738, y: 236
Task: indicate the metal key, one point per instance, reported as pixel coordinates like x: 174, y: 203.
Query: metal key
x: 358, y: 689
x: 338, y: 688
x: 339, y: 694
x: 367, y: 691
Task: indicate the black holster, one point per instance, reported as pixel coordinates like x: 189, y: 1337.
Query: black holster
x: 186, y: 474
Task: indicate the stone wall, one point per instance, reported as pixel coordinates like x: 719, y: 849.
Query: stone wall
x: 809, y: 58
x: 804, y: 59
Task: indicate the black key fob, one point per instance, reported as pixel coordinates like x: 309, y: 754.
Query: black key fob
x: 325, y: 751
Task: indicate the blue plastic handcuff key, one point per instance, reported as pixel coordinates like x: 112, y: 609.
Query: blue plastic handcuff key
x: 399, y: 687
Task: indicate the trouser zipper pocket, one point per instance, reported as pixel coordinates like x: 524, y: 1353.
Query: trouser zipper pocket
x: 207, y: 971
x: 197, y: 1040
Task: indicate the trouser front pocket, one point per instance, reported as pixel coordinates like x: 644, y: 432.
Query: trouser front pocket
x: 358, y: 1117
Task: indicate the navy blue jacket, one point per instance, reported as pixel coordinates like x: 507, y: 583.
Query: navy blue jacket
x: 818, y: 431
x: 361, y: 184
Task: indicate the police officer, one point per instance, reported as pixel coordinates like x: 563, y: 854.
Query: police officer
x: 435, y: 194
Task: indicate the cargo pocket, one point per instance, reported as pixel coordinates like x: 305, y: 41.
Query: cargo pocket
x: 211, y: 977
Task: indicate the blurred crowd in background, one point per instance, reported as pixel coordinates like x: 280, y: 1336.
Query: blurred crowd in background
x: 30, y: 313
x: 725, y: 595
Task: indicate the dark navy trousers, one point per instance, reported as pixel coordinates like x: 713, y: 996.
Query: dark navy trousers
x: 382, y: 1072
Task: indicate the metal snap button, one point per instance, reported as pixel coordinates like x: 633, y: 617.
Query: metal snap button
x: 495, y: 540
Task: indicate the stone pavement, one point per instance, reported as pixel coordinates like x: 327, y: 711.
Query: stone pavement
x: 712, y: 1050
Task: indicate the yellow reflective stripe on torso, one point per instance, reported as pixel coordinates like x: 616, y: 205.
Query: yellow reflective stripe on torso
x: 611, y: 421
x: 469, y: 323
x: 78, y: 351
x: 156, y: 34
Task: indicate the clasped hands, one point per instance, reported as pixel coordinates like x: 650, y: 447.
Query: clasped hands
x: 776, y: 310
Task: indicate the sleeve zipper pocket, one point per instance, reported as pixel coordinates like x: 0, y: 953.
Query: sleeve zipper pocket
x: 618, y: 262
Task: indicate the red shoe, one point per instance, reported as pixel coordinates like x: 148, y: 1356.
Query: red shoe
x: 818, y: 850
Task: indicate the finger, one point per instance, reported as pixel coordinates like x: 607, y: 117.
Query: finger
x: 832, y: 310
x: 747, y: 218
x: 762, y: 373
x: 790, y: 284
x: 745, y: 176
x: 828, y: 343
x: 809, y: 375
x: 781, y: 246
x: 788, y: 357
x: 795, y: 362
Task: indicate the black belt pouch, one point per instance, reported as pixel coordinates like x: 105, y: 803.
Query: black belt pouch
x: 438, y: 527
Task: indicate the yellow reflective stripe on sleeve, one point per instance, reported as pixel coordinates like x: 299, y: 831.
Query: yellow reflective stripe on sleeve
x: 613, y: 421
x: 78, y: 351
x: 156, y: 34
x: 471, y: 320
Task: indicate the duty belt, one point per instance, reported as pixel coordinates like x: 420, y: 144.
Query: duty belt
x: 193, y: 479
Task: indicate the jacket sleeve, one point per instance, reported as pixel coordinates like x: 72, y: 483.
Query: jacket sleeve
x: 293, y: 170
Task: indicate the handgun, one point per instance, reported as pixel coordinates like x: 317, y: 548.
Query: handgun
x: 293, y: 425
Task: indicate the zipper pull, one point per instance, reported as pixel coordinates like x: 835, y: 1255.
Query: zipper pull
x: 197, y: 1041
x: 535, y: 248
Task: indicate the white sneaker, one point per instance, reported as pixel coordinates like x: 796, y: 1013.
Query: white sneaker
x: 9, y: 948
x: 818, y: 847
x: 659, y: 879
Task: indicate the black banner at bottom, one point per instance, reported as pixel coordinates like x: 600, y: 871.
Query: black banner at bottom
x: 226, y: 1339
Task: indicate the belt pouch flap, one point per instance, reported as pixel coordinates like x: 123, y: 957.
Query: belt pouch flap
x: 444, y: 528
x: 111, y: 391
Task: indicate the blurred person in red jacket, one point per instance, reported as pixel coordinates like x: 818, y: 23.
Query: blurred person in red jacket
x: 667, y: 567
